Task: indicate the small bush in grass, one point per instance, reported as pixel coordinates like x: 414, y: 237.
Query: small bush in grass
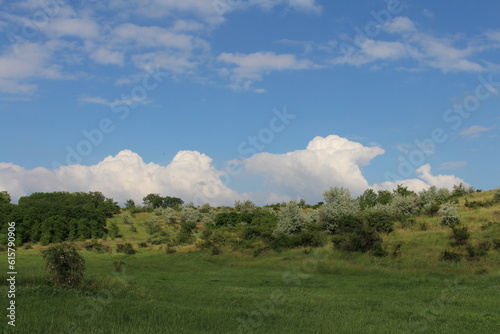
x: 170, y: 249
x: 379, y: 251
x: 423, y: 226
x: 475, y: 253
x: 27, y: 246
x: 64, y: 264
x: 126, y: 248
x: 451, y: 256
x: 396, y: 249
x: 142, y: 244
x: 460, y: 236
x: 496, y: 244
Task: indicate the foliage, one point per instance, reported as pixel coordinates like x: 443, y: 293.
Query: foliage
x: 449, y: 215
x: 451, y: 256
x: 190, y: 214
x: 154, y: 201
x: 114, y: 231
x: 338, y: 204
x: 60, y: 216
x: 96, y: 246
x: 460, y: 236
x: 405, y: 206
x: 291, y: 219
x: 152, y: 226
x: 362, y: 239
x: 65, y: 265
x: 126, y: 248
x: 245, y: 206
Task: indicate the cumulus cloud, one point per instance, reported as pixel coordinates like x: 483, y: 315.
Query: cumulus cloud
x: 327, y: 161
x: 190, y: 175
x: 425, y: 180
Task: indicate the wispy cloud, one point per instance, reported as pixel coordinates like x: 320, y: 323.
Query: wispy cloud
x: 474, y: 131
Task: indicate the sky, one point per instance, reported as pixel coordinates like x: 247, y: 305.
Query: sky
x: 215, y: 101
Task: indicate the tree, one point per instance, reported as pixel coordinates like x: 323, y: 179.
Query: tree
x: 4, y: 197
x: 246, y: 206
x: 65, y: 265
x: 152, y: 201
x: 367, y: 199
x: 291, y: 219
x: 338, y: 204
x: 129, y: 204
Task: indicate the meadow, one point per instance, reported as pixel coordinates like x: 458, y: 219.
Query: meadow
x: 300, y: 290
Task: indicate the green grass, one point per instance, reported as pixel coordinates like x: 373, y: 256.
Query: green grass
x: 297, y: 291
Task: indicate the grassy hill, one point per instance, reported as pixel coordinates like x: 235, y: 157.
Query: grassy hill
x: 302, y: 290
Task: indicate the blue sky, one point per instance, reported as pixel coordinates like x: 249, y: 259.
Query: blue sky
x: 170, y: 96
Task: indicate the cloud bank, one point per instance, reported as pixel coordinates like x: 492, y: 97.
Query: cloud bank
x: 307, y: 173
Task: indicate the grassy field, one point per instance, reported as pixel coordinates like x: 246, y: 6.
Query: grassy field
x: 302, y: 290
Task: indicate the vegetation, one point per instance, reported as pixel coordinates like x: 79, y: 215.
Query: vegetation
x: 286, y: 267
x: 64, y: 264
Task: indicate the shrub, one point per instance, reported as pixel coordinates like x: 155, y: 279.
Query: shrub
x: 126, y: 248
x: 460, y: 236
x: 475, y: 253
x: 451, y: 256
x: 397, y: 249
x: 291, y: 219
x: 379, y: 251
x: 449, y: 215
x: 496, y: 197
x: 142, y: 244
x: 361, y: 240
x: 170, y: 249
x: 64, y: 264
x: 423, y: 226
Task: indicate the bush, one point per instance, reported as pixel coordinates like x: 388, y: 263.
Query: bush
x: 64, y: 264
x: 379, y: 251
x: 170, y: 249
x: 476, y: 253
x: 460, y: 236
x: 362, y: 240
x: 451, y: 256
x: 125, y: 248
x: 142, y: 244
x: 291, y: 219
x: 449, y: 215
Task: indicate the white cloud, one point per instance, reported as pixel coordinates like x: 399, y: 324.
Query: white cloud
x: 105, y: 56
x: 425, y: 49
x: 474, y: 131
x: 424, y: 181
x: 190, y: 176
x: 251, y: 67
x: 74, y: 27
x: 326, y: 162
x: 400, y: 24
x: 30, y: 61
